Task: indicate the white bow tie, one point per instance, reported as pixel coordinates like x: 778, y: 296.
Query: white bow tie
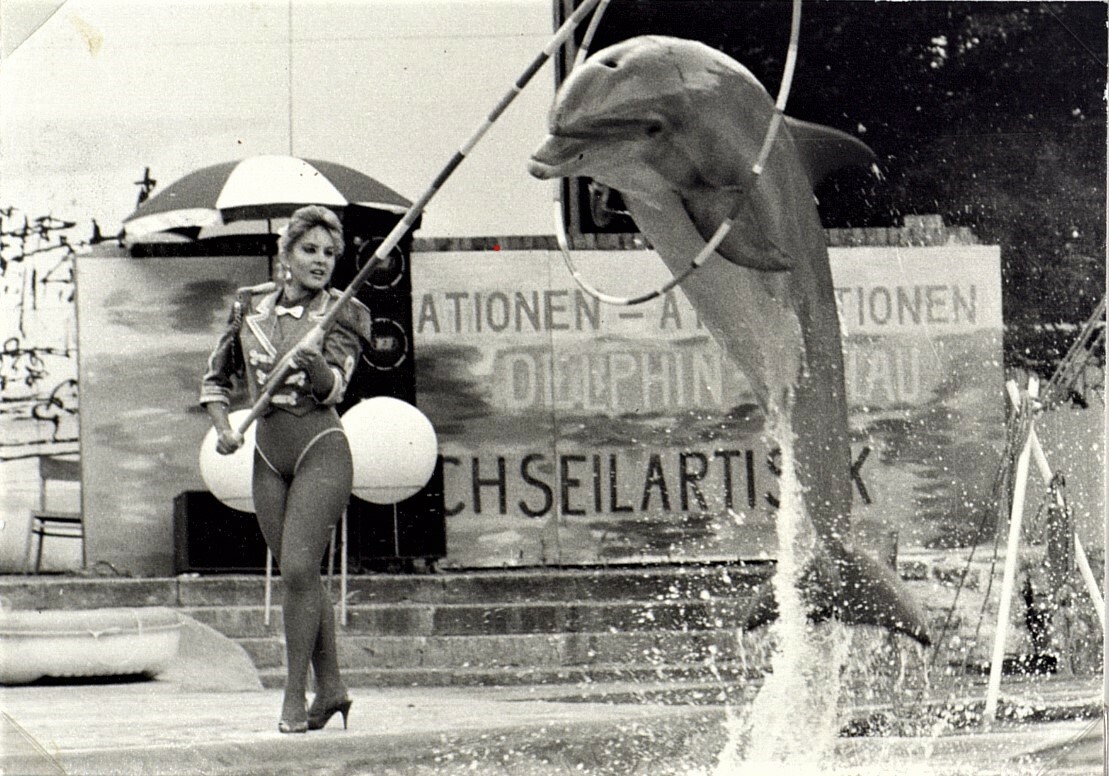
x: 295, y: 311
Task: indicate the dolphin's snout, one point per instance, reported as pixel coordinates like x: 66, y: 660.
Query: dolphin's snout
x: 557, y: 157
x: 540, y: 170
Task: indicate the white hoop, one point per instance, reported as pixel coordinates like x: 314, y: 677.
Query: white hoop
x: 726, y: 225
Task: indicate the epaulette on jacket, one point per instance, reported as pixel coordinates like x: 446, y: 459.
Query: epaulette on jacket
x: 243, y: 296
x: 262, y: 288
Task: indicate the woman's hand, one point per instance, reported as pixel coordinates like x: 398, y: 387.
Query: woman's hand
x: 311, y: 360
x: 228, y: 441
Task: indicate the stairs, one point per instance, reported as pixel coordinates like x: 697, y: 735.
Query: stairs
x: 503, y: 627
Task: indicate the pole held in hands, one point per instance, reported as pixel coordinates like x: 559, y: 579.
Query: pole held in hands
x: 316, y: 335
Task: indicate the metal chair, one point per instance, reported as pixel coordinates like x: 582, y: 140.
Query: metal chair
x: 47, y: 521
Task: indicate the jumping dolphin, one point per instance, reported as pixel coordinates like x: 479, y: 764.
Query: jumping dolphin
x: 676, y: 126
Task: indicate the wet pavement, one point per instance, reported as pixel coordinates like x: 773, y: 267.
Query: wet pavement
x: 156, y: 727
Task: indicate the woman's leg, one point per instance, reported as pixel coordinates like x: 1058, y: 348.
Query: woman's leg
x: 325, y: 656
x: 316, y: 498
x: 270, y: 493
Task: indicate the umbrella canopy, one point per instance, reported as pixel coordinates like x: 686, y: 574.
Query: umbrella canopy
x: 259, y: 187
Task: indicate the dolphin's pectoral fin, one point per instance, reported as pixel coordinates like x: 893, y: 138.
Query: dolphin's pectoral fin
x: 747, y: 243
x: 680, y: 228
x: 852, y: 588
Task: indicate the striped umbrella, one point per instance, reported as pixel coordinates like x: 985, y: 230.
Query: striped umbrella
x: 257, y: 188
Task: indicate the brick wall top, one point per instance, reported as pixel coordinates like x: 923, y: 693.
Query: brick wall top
x: 918, y: 231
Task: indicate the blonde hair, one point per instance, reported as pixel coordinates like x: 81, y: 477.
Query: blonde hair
x: 305, y: 219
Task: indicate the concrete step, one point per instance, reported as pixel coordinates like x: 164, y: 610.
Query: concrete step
x: 25, y: 592
x: 471, y: 628
x: 507, y: 586
x: 418, y: 619
x: 499, y: 586
x: 641, y: 583
x: 520, y: 650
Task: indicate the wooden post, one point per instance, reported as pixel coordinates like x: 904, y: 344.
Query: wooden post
x: 1008, y: 579
x: 1088, y: 577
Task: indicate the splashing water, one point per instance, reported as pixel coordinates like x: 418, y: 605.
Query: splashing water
x: 791, y: 726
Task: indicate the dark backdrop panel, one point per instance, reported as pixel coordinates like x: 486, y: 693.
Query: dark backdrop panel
x: 411, y: 529
x: 210, y: 537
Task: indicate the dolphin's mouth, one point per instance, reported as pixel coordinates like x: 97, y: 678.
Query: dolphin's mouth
x: 558, y: 157
x: 542, y: 170
x: 572, y: 146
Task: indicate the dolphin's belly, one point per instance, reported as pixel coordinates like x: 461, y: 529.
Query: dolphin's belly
x: 748, y: 312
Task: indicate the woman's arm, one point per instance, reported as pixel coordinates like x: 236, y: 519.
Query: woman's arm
x: 229, y: 440
x: 224, y: 363
x: 342, y: 347
x: 330, y: 366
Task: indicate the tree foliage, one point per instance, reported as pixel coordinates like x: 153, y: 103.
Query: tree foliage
x: 991, y: 114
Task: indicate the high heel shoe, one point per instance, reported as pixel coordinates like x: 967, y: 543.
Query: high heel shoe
x: 300, y: 726
x: 317, y: 719
x: 294, y: 723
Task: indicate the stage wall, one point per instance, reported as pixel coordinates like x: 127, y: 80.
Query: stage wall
x: 145, y: 329
x: 572, y: 432
x: 579, y: 433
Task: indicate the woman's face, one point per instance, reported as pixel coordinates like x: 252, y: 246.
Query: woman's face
x: 311, y: 261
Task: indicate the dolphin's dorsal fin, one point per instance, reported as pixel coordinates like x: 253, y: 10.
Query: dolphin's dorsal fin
x: 824, y: 150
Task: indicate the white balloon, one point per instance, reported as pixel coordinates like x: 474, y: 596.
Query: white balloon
x: 228, y: 477
x: 394, y: 448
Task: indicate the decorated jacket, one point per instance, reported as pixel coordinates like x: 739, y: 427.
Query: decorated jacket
x: 258, y: 335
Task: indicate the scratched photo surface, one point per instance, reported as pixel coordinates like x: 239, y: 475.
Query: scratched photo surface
x: 966, y: 251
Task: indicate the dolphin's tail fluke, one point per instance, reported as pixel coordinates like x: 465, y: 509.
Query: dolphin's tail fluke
x: 853, y: 588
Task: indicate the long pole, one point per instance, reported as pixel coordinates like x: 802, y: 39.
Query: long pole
x: 316, y: 334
